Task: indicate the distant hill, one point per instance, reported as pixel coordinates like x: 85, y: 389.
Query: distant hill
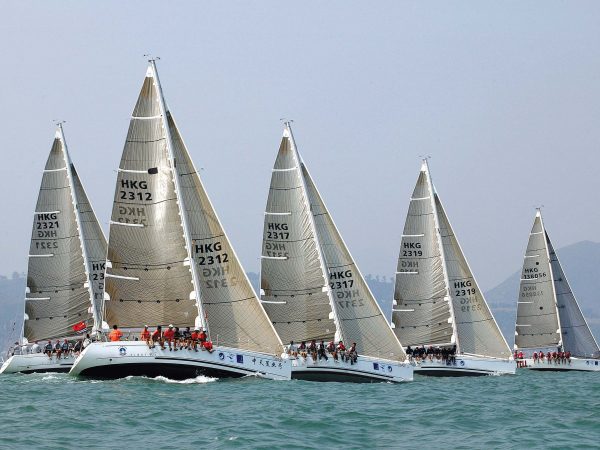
x: 581, y: 262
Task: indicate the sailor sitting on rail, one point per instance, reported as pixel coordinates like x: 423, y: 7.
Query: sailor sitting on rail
x: 292, y: 350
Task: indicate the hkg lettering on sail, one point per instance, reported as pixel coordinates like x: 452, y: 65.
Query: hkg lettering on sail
x: 277, y: 226
x: 46, y: 216
x: 411, y: 245
x: 340, y: 274
x: 208, y: 248
x: 47, y: 234
x: 134, y: 184
x: 462, y: 284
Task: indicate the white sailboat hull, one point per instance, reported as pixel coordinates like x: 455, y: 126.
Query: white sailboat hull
x: 365, y: 370
x: 464, y: 365
x: 36, y: 362
x: 581, y: 364
x: 134, y: 358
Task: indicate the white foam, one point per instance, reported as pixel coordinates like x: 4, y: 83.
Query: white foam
x: 198, y: 380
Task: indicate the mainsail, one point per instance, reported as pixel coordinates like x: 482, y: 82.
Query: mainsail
x: 63, y: 282
x: 301, y: 248
x: 548, y: 314
x: 422, y: 313
x: 438, y: 299
x: 537, y: 319
x: 169, y: 260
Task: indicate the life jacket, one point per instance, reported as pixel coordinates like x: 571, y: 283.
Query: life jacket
x: 145, y: 335
x: 207, y: 345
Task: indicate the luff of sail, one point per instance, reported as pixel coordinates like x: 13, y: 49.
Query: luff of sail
x: 148, y: 278
x: 476, y: 329
x: 359, y: 317
x: 60, y: 294
x: 537, y: 319
x: 233, y: 313
x: 422, y: 311
x: 294, y: 289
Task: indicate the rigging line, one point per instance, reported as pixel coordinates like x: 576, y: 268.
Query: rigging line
x: 361, y: 318
x: 146, y: 203
x: 282, y: 241
x: 53, y: 188
x: 285, y: 189
x: 142, y: 266
x: 131, y: 141
x: 229, y: 302
x: 206, y: 238
x: 54, y: 238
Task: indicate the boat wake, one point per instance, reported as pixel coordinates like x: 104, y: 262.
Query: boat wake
x: 200, y: 379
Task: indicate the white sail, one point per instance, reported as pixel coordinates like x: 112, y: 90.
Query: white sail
x: 537, y: 323
x: 422, y: 311
x: 293, y: 284
x: 476, y: 329
x: 301, y: 249
x: 169, y: 259
x: 95, y: 246
x: 359, y: 316
x: 148, y: 278
x: 59, y: 284
x: 438, y: 299
x: 232, y: 312
x: 576, y: 334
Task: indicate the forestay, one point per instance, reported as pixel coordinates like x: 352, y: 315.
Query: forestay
x: 422, y: 312
x: 537, y: 321
x: 293, y: 285
x: 476, y: 329
x: 232, y: 311
x: 60, y: 294
x: 148, y: 278
x: 359, y: 317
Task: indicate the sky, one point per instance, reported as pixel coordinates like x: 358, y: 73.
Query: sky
x: 503, y: 96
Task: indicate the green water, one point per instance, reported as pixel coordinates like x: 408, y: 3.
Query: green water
x: 528, y: 410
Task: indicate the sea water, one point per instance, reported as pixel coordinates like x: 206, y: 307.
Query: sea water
x: 527, y: 410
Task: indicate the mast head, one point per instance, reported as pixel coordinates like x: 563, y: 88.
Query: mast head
x: 538, y: 211
x: 425, y: 163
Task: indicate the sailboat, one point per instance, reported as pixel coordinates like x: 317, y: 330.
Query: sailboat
x: 549, y: 319
x: 65, y: 274
x: 437, y: 302
x: 170, y: 263
x: 311, y: 287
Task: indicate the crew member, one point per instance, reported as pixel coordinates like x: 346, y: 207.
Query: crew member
x: 115, y: 335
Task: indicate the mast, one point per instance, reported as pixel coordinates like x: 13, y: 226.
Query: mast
x: 86, y: 262
x: 539, y: 214
x: 448, y: 297
x: 338, y: 331
x: 182, y: 213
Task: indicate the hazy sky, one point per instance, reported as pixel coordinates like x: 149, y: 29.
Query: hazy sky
x: 504, y: 96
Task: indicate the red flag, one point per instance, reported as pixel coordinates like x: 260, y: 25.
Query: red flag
x: 79, y: 326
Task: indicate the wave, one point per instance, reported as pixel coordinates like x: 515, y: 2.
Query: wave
x: 200, y: 379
